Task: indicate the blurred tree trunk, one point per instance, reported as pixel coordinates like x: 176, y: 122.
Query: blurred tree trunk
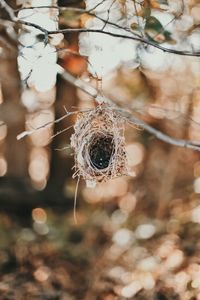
x: 61, y: 164
x: 12, y: 113
x: 169, y: 170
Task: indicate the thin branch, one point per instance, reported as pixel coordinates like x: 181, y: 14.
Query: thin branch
x: 84, y: 11
x: 29, y: 132
x: 108, y: 15
x: 133, y: 36
x: 167, y: 110
x: 137, y: 16
x: 127, y: 115
x: 139, y: 39
x: 9, y: 10
x: 61, y: 131
x: 160, y: 135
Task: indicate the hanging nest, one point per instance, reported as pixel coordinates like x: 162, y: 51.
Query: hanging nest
x: 99, y: 145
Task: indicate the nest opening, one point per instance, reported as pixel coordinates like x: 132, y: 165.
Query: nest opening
x: 101, y: 151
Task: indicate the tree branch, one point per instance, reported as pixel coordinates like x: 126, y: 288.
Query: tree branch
x: 127, y: 115
x: 117, y: 35
x: 94, y: 93
x: 131, y: 35
x: 29, y: 132
x: 9, y: 10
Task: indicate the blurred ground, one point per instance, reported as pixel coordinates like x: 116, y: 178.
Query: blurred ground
x: 112, y: 253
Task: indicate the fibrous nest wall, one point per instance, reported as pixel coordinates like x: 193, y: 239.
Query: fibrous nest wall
x: 99, y: 145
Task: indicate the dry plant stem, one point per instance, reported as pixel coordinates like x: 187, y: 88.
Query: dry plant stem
x: 75, y: 201
x: 131, y: 36
x: 61, y: 131
x: 29, y: 132
x: 128, y: 116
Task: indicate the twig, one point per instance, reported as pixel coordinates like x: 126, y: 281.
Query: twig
x: 126, y: 114
x: 117, y: 35
x: 61, y: 131
x: 29, y: 132
x: 137, y: 16
x: 160, y: 135
x: 108, y: 15
x: 84, y: 11
x: 129, y: 116
x: 9, y: 10
x: 132, y: 35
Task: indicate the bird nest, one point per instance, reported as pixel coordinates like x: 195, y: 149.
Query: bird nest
x: 99, y: 145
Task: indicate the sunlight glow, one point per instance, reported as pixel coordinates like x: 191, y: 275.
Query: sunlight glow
x: 131, y: 289
x: 195, y: 217
x: 39, y: 166
x: 3, y: 166
x: 127, y: 203
x: 3, y: 131
x: 37, y: 61
x: 39, y: 215
x: 135, y: 154
x: 116, y: 272
x: 148, y: 281
x: 123, y: 237
x: 42, y: 273
x: 1, y: 94
x: 38, y: 66
x: 119, y: 217
x: 197, y: 185
x: 175, y: 259
x: 149, y: 264
x: 145, y: 231
x: 181, y: 281
x: 41, y: 137
x: 106, y: 190
x: 106, y: 52
x: 41, y: 229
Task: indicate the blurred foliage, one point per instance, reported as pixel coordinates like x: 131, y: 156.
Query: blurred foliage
x: 109, y: 255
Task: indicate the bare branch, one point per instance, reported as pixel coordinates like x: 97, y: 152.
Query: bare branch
x: 127, y: 115
x: 29, y: 132
x: 160, y: 135
x: 9, y: 10
x: 61, y: 131
x: 93, y: 92
x: 130, y: 35
x: 135, y: 38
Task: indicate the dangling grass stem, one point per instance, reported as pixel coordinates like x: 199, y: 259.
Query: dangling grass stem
x: 75, y: 200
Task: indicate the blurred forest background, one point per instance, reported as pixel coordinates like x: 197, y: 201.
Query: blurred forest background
x: 138, y: 236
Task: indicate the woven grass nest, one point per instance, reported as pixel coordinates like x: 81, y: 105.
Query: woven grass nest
x: 99, y: 145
